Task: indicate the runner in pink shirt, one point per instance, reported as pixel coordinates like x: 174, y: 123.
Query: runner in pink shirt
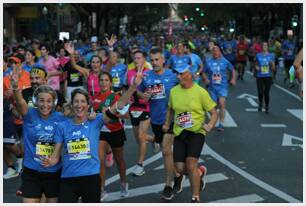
x: 52, y: 67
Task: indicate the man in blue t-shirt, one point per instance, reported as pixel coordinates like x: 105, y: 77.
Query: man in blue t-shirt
x: 216, y: 68
x: 178, y: 59
x: 288, y: 53
x: 229, y: 48
x: 197, y: 64
x: 157, y: 84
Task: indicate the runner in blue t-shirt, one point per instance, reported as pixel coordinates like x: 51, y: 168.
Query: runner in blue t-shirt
x: 38, y: 133
x: 288, y: 53
x: 197, y: 64
x: 216, y: 68
x: 117, y: 71
x: 264, y: 66
x: 229, y: 48
x: 157, y: 84
x: 178, y: 59
x: 79, y: 138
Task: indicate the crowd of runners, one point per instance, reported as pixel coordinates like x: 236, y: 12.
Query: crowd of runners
x: 66, y: 104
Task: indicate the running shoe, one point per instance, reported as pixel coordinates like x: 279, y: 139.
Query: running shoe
x: 203, y: 169
x: 195, y: 200
x: 124, y: 190
x: 220, y: 127
x: 10, y: 173
x: 19, y: 192
x: 267, y: 110
x: 19, y: 164
x: 138, y: 170
x: 156, y: 147
x: 104, y: 195
x: 178, y: 184
x: 167, y: 193
x: 109, y: 160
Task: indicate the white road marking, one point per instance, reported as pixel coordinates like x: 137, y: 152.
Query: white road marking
x: 244, y: 95
x: 228, y: 120
x: 159, y: 187
x: 162, y: 165
x: 287, y: 141
x: 208, y: 151
x: 252, y: 102
x: 297, y: 113
x: 128, y: 126
x: 241, y: 199
x: 273, y: 125
x: 251, y: 109
x: 288, y: 92
x: 128, y: 171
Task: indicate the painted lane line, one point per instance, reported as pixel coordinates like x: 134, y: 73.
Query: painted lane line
x: 162, y: 165
x: 252, y: 102
x: 287, y: 141
x: 128, y: 126
x: 128, y: 171
x: 252, y: 109
x: 208, y: 151
x: 288, y: 92
x: 273, y: 125
x: 241, y: 199
x: 159, y: 187
x: 297, y: 113
x: 228, y: 120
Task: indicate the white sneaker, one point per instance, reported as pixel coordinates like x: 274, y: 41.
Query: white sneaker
x: 124, y: 190
x: 138, y: 170
x: 104, y: 195
x: 156, y: 147
x: 10, y: 173
x: 19, y: 164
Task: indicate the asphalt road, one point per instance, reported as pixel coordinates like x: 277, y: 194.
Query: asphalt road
x: 258, y: 158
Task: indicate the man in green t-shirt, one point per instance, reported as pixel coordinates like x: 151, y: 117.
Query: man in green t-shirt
x: 188, y: 103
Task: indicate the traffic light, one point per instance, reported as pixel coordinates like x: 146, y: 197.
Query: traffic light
x: 202, y: 13
x: 185, y: 18
x: 231, y: 30
x: 191, y: 18
x: 197, y: 9
x: 294, y: 21
x: 203, y: 28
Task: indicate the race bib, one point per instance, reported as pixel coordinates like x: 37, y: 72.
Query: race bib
x: 136, y: 114
x: 74, y: 77
x: 216, y: 78
x: 79, y: 149
x: 265, y: 69
x: 43, y: 149
x: 157, y: 91
x: 116, y: 81
x: 184, y: 120
x: 290, y: 52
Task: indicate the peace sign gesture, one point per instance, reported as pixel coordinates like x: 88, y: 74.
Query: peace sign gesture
x: 139, y: 75
x: 111, y: 41
x: 14, y: 78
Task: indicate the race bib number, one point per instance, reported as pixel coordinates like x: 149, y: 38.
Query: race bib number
x: 184, y: 120
x: 79, y: 149
x: 290, y: 52
x: 157, y: 91
x: 216, y: 78
x: 265, y: 69
x: 74, y: 77
x: 136, y: 114
x: 116, y: 81
x: 43, y: 149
